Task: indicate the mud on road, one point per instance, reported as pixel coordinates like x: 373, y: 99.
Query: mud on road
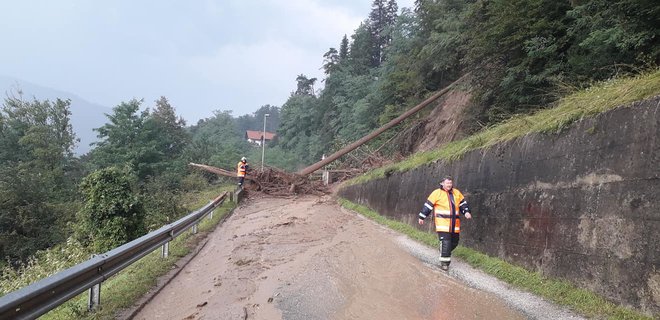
x: 307, y: 258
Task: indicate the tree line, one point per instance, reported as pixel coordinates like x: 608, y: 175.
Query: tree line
x: 522, y: 55
x: 132, y: 181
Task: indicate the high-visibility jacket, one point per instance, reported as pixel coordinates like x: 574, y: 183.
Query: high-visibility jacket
x: 241, y: 169
x: 446, y: 207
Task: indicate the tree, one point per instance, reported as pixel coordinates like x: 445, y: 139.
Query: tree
x: 112, y: 214
x: 392, y: 12
x: 330, y: 60
x: 360, y: 57
x: 168, y: 129
x: 217, y: 141
x: 381, y: 18
x: 612, y: 35
x: 343, y: 49
x: 404, y: 76
x: 255, y: 121
x: 516, y: 51
x: 516, y: 56
x: 126, y: 140
x: 305, y: 86
x: 440, y: 43
x: 36, y: 139
x: 298, y: 131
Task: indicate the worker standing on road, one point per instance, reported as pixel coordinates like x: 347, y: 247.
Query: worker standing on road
x: 446, y: 204
x: 241, y: 170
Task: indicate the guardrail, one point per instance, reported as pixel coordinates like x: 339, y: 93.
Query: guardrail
x: 48, y: 293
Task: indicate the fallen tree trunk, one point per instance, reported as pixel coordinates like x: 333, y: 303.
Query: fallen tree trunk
x: 216, y: 170
x: 378, y: 131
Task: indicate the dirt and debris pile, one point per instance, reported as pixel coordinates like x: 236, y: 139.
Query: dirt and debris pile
x: 273, y: 181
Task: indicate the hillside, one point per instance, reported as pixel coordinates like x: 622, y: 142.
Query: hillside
x: 599, y: 98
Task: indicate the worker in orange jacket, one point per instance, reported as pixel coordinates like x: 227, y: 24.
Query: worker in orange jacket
x: 241, y: 170
x: 446, y: 204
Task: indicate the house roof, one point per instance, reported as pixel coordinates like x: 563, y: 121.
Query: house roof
x: 256, y: 135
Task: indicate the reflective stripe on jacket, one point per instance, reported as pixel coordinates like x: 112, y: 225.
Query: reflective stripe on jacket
x: 446, y: 206
x: 241, y: 169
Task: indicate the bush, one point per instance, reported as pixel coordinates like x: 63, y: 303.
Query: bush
x: 112, y: 213
x: 162, y: 203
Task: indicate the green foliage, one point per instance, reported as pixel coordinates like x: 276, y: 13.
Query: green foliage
x: 112, y: 214
x: 124, y: 140
x: 162, y: 202
x: 194, y: 181
x: 122, y: 290
x: 520, y: 53
x: 42, y: 264
x: 167, y: 130
x: 217, y: 142
x: 150, y: 143
x: 37, y: 175
x: 381, y: 19
x: 255, y: 121
x: 343, y: 48
x: 517, y: 48
x: 305, y: 86
x: 275, y: 156
x: 610, y: 36
x: 596, y: 99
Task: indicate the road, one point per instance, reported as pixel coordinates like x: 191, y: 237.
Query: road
x: 308, y: 258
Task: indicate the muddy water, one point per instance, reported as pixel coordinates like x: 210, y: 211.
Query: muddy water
x: 305, y: 258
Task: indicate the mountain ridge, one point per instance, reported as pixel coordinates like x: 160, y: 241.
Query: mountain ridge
x: 85, y: 115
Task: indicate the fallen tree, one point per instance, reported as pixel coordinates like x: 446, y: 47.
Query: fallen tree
x: 273, y: 181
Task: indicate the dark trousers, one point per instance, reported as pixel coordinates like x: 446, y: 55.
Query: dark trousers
x: 448, y: 242
x: 240, y: 180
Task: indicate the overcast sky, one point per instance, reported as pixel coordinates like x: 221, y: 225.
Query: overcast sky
x: 203, y: 55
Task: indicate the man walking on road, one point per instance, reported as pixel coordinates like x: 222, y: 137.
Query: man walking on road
x: 446, y: 204
x: 241, y: 171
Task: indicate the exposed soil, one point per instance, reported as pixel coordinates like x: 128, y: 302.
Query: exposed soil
x: 443, y: 125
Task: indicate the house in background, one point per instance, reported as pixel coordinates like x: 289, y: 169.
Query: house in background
x: 255, y: 136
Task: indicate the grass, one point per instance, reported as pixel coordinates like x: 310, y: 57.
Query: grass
x: 123, y: 289
x: 596, y: 99
x: 561, y: 292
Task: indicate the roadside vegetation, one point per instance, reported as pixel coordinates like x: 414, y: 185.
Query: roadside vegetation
x: 124, y: 289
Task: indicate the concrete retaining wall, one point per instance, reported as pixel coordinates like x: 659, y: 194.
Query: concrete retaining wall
x: 582, y: 205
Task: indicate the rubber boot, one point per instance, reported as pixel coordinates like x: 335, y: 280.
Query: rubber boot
x: 444, y: 265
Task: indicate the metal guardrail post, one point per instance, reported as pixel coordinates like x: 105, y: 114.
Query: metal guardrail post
x: 165, y: 250
x: 94, y: 301
x: 231, y: 197
x: 194, y: 228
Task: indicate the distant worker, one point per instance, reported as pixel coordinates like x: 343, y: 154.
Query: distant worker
x: 241, y: 170
x: 446, y: 204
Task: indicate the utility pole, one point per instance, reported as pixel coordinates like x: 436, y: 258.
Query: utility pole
x: 263, y: 143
